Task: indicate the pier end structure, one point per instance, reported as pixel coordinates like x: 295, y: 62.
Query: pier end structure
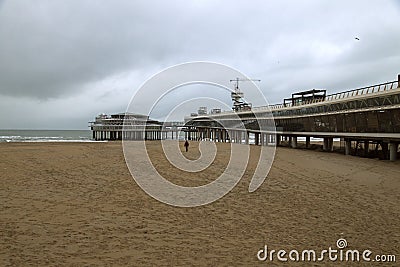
x: 131, y: 126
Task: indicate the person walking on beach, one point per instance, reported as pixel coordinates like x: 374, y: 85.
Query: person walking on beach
x: 186, y: 145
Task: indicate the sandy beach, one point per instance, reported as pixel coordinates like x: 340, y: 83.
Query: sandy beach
x: 76, y: 204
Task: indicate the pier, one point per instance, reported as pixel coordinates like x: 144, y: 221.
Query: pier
x: 364, y: 119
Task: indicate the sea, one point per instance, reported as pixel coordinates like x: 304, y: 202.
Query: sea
x: 45, y: 136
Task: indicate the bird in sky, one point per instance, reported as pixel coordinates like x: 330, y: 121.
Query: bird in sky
x: 358, y: 39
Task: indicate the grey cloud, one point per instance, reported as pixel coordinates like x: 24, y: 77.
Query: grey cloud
x: 53, y: 47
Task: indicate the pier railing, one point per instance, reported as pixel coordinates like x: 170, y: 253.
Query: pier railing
x: 364, y: 90
x: 341, y: 95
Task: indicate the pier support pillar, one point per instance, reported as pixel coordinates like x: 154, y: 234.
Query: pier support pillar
x: 247, y: 137
x: 325, y: 145
x: 393, y: 151
x: 385, y: 149
x: 328, y: 144
x: 293, y: 142
x: 347, y: 147
x: 274, y: 140
x: 308, y: 141
x: 366, y: 148
x: 256, y: 139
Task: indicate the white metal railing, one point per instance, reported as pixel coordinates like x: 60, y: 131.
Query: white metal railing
x: 341, y: 95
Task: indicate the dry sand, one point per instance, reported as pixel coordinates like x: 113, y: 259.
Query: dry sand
x: 76, y: 204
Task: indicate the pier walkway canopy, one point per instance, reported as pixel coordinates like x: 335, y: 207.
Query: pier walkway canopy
x: 305, y: 97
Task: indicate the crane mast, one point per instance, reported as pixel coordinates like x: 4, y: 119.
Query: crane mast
x: 237, y: 96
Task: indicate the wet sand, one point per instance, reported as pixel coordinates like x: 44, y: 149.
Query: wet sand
x: 76, y: 204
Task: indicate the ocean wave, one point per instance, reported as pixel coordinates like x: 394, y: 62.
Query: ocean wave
x: 45, y: 135
x: 43, y: 139
x: 51, y: 141
x: 62, y: 141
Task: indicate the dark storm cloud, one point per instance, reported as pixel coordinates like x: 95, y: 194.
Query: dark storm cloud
x: 52, y: 47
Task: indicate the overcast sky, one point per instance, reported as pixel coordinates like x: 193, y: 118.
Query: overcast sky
x: 63, y: 62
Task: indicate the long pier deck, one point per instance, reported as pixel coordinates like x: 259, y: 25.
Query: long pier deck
x: 365, y: 115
